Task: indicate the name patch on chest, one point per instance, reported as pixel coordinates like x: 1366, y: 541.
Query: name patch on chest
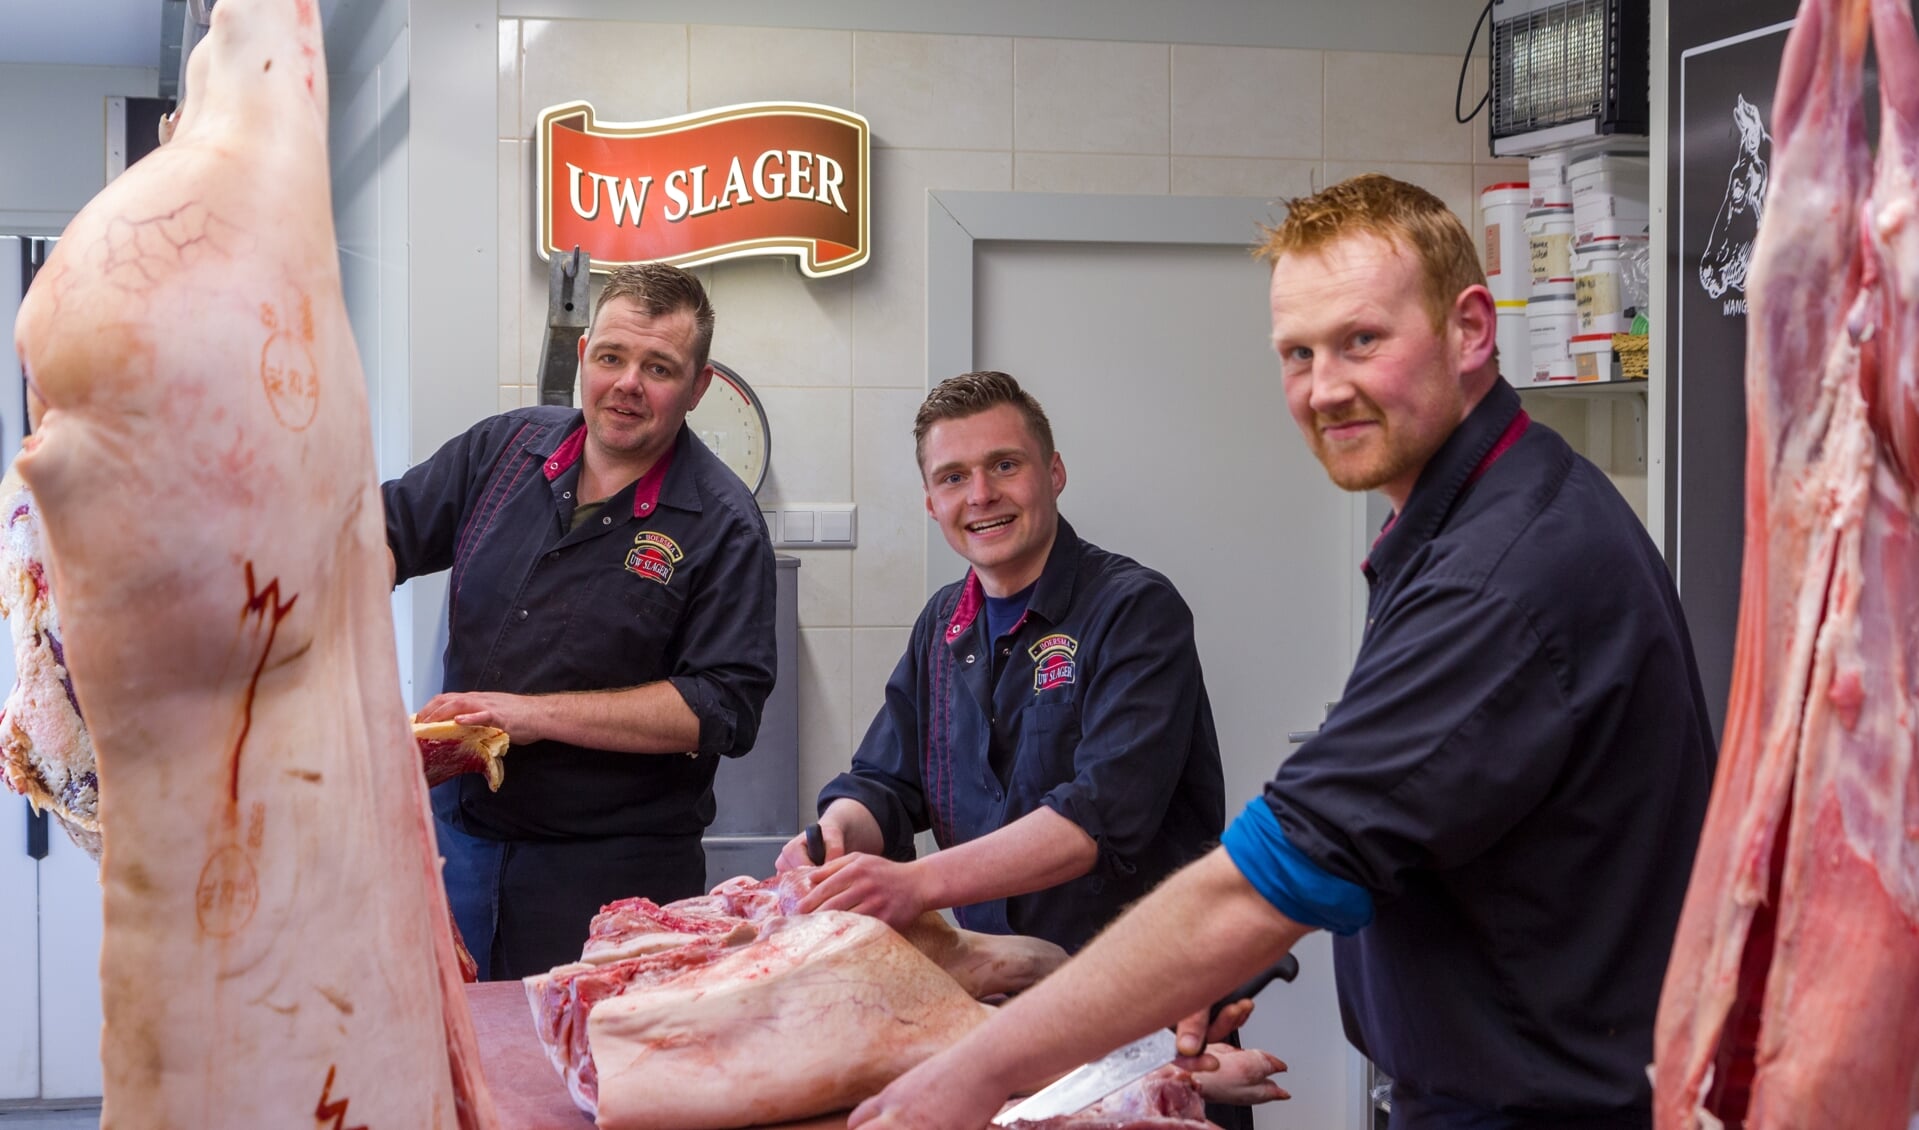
x: 653, y: 556
x: 1053, y: 662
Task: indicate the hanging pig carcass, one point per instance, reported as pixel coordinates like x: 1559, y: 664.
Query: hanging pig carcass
x: 276, y: 949
x: 1792, y: 998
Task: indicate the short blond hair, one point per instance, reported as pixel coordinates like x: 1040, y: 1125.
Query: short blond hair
x: 660, y: 289
x: 1405, y: 216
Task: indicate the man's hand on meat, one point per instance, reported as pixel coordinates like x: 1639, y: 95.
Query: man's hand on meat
x: 894, y: 893
x: 845, y: 827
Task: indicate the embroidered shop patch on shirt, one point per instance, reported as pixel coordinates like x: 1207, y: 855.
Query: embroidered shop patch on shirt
x: 1053, y: 662
x: 653, y: 556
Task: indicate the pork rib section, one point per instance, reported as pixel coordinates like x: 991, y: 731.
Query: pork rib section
x: 815, y: 1013
x: 275, y: 948
x: 1789, y: 1001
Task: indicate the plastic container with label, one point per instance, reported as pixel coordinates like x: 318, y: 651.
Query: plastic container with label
x: 1592, y: 357
x: 1508, y: 254
x: 1549, y: 237
x: 1515, y: 346
x: 1599, y: 286
x: 1550, y: 323
x: 1547, y: 176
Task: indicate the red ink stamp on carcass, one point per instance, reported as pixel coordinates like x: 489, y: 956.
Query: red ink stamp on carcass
x: 288, y: 371
x: 329, y: 1113
x: 228, y: 893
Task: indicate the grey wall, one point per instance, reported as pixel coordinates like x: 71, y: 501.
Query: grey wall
x: 53, y: 138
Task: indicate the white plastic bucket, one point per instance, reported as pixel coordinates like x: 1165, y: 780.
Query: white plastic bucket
x: 1507, y: 252
x: 1599, y: 290
x: 1549, y: 237
x: 1515, y: 346
x: 1592, y: 229
x: 1547, y: 175
x: 1550, y: 323
x: 1592, y: 357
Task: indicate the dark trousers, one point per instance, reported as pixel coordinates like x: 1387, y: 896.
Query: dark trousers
x: 1414, y: 1109
x: 523, y: 906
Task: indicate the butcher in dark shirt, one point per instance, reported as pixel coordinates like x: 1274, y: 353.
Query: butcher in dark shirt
x: 610, y: 606
x: 1499, y: 816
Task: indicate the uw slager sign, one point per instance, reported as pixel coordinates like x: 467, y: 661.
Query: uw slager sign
x: 765, y: 178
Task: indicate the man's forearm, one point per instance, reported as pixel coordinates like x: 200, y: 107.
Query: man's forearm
x: 1192, y: 940
x: 653, y: 718
x: 1039, y: 850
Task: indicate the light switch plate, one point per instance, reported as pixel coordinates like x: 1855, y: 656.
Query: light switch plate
x: 825, y: 525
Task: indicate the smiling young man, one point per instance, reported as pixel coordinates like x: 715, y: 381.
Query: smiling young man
x: 1048, y: 721
x: 611, y: 597
x: 1498, y: 817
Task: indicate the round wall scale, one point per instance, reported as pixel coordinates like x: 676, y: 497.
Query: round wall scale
x: 731, y: 421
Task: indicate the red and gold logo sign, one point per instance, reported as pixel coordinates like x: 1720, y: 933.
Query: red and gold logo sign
x: 653, y: 556
x: 1053, y: 664
x: 764, y: 178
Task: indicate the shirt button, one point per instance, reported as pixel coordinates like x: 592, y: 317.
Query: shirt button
x: 554, y: 556
x: 606, y: 521
x: 1006, y: 651
x: 646, y: 506
x: 566, y: 494
x: 520, y: 615
x: 969, y: 658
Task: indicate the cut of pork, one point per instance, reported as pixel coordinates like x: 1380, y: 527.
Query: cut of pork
x: 448, y: 750
x: 275, y: 949
x: 816, y: 1013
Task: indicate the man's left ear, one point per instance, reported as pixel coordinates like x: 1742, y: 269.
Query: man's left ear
x: 1476, y: 322
x: 1059, y: 474
x: 700, y: 384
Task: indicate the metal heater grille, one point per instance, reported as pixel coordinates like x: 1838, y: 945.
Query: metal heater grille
x: 1570, y: 61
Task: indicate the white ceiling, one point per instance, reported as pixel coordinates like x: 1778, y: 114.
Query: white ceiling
x: 92, y: 33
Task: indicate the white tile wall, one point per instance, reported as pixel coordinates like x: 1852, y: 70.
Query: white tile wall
x: 1084, y: 96
x: 935, y: 91
x: 1247, y: 101
x: 841, y: 363
x: 770, y: 64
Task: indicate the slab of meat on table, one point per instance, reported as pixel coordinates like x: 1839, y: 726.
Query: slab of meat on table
x: 1792, y: 999
x: 1164, y: 1099
x: 45, y: 753
x: 814, y: 1013
x: 276, y: 950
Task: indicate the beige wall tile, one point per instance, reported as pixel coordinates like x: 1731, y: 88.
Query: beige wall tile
x: 889, y: 567
x: 1451, y: 183
x: 1088, y: 172
x: 509, y: 78
x: 770, y: 64
x: 1247, y: 101
x: 1245, y: 176
x: 935, y: 91
x: 1382, y: 107
x: 507, y: 310
x: 511, y: 397
x: 826, y: 587
x: 876, y: 651
x: 825, y: 700
x: 1083, y: 96
x: 889, y: 293
x: 812, y: 445
x: 630, y: 72
x: 779, y: 328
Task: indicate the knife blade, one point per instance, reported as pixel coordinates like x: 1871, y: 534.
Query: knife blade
x: 1087, y: 1084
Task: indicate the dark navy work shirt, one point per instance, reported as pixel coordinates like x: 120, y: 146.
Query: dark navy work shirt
x: 672, y: 578
x: 1092, y: 706
x: 1517, y: 772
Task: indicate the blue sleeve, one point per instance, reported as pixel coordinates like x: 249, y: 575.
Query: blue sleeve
x: 885, y: 774
x: 1299, y: 888
x: 728, y: 652
x: 426, y: 505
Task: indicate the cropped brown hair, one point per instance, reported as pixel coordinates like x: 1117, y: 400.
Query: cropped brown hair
x: 659, y: 290
x: 969, y: 394
x: 1406, y: 216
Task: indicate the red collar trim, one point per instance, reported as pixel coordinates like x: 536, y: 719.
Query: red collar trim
x: 972, y: 599
x: 1506, y: 440
x: 646, y: 492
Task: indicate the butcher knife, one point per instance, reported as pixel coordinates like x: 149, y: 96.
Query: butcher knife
x: 1084, y: 1086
